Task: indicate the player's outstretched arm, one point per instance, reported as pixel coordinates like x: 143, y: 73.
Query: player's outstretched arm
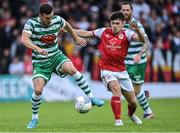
x: 84, y: 33
x: 25, y: 39
x: 77, y: 39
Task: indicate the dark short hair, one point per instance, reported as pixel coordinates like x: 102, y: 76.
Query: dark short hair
x: 45, y: 8
x: 127, y: 3
x: 117, y: 15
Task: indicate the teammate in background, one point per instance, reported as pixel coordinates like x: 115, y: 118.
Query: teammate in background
x: 41, y: 35
x: 113, y: 47
x: 136, y: 61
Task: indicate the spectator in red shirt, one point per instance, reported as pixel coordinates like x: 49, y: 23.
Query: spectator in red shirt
x: 77, y: 60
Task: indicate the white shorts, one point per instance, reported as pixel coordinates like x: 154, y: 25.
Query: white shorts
x: 121, y: 77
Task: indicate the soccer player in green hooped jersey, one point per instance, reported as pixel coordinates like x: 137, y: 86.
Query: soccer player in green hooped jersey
x: 136, y: 61
x: 40, y: 35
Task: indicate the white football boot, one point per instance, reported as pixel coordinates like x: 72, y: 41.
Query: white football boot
x: 118, y: 123
x: 135, y: 119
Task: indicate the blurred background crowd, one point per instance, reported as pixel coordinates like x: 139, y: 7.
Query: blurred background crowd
x: 160, y: 18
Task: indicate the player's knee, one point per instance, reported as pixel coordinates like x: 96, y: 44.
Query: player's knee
x: 38, y: 92
x: 72, y: 70
x: 115, y: 89
x: 69, y: 68
x: 133, y: 102
x: 38, y: 89
x: 136, y: 92
x: 137, y: 89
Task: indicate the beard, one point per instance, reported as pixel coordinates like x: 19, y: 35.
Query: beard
x: 127, y: 16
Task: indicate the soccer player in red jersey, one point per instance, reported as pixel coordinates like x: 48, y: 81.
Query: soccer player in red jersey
x: 114, y: 42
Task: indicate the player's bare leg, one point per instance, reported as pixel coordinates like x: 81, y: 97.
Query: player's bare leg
x: 142, y: 99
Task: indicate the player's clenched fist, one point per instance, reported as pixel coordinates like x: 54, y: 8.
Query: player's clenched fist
x: 42, y: 51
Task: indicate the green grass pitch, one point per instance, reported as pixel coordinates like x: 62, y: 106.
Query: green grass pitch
x: 62, y: 117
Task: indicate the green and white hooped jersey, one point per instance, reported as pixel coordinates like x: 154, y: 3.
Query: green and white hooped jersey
x: 44, y: 37
x: 135, y: 47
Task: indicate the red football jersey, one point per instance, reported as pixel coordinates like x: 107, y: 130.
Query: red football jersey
x: 113, y: 48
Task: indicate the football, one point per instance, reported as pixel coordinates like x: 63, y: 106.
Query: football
x: 82, y: 105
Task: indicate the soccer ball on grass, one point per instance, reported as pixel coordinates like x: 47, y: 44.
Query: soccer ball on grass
x: 82, y: 105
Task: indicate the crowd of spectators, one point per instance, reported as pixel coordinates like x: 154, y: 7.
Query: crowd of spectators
x: 161, y: 20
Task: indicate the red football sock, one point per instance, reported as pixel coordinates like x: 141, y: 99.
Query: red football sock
x: 131, y: 110
x: 116, y: 106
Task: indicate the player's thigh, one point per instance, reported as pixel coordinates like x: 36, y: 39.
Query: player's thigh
x: 130, y: 97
